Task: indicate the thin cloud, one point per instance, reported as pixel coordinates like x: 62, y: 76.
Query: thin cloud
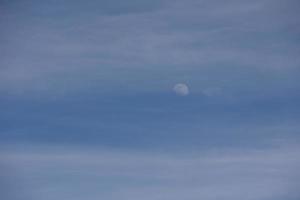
x: 230, y: 174
x: 95, y: 49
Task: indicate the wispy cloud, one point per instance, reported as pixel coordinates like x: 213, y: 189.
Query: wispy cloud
x: 161, y: 42
x: 110, y: 66
x: 260, y: 174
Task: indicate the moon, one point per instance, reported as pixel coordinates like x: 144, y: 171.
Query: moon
x: 181, y: 89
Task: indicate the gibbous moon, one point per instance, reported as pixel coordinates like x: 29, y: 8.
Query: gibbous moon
x: 181, y: 89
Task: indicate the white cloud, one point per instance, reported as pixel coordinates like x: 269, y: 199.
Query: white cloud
x: 179, y: 37
x: 212, y: 91
x: 235, y: 174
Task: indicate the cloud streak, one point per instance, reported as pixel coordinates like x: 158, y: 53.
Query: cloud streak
x: 168, y: 41
x: 111, y: 174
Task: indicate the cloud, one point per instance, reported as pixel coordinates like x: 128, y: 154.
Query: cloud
x: 137, y: 42
x: 259, y: 174
x: 212, y: 91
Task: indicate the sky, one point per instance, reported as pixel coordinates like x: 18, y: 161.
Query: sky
x: 149, y: 100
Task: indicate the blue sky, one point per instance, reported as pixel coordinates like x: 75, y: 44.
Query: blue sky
x: 88, y: 109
